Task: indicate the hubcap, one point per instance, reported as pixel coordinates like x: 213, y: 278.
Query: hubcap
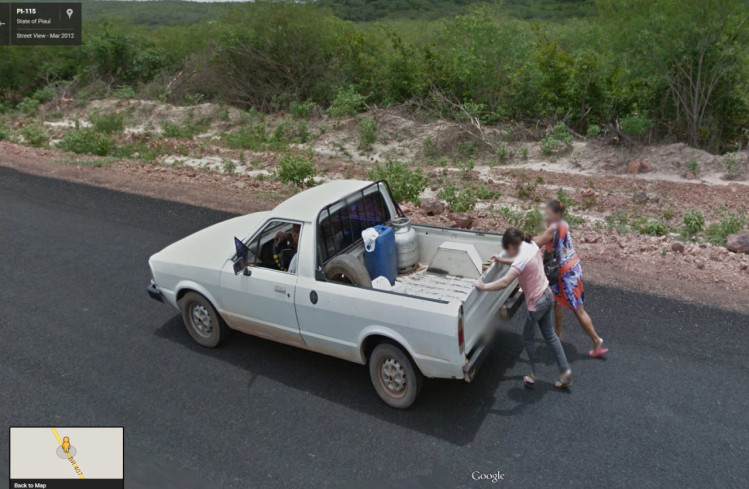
x: 201, y: 320
x: 393, y: 376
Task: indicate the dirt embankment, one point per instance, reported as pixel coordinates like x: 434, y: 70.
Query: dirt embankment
x: 613, y: 191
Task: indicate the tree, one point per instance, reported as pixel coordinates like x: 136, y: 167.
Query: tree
x: 698, y: 48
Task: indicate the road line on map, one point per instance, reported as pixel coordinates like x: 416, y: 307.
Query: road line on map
x: 70, y: 457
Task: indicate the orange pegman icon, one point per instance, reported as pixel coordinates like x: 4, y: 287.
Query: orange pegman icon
x: 66, y: 444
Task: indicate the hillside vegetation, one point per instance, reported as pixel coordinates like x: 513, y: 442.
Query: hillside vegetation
x: 637, y: 70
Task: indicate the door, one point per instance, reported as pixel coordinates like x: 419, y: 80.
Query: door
x: 261, y: 302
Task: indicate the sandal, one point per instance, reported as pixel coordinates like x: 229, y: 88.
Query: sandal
x: 599, y: 351
x: 529, y: 381
x: 565, y: 380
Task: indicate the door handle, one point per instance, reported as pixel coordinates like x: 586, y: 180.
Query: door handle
x: 280, y: 289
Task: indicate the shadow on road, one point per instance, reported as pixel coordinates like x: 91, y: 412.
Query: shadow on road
x: 450, y: 410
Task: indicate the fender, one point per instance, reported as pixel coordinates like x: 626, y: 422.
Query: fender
x: 429, y: 366
x: 190, y: 285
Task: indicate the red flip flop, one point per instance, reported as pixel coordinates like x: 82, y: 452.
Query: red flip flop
x: 600, y: 353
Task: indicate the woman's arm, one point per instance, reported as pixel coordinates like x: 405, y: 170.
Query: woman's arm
x: 500, y: 259
x: 500, y: 284
x: 544, y: 237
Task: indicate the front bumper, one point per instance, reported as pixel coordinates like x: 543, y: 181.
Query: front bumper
x: 155, y: 293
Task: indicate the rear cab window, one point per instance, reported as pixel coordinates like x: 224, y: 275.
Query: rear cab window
x: 340, y: 225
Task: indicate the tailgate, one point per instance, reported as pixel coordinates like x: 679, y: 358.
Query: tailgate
x: 483, y: 311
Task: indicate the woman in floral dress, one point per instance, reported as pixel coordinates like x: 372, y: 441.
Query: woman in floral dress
x: 568, y: 291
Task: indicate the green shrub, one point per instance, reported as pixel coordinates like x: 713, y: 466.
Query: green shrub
x: 125, y: 92
x: 458, y: 200
x: 3, y: 134
x: 732, y: 222
x: 229, y: 166
x: 594, y: 131
x: 405, y: 184
x: 252, y: 137
x: 485, y: 193
x: 618, y: 221
x: 466, y: 149
x: 187, y: 130
x: 556, y: 139
x: 733, y: 168
x: 87, y: 141
x: 524, y: 152
x: 302, y: 131
x: 44, y: 95
x: 107, y: 123
x: 694, y: 223
x: 367, y: 133
x: 504, y: 151
x: 34, y: 136
x: 288, y: 131
x: 296, y: 168
x: 466, y: 167
x: 533, y: 222
x: 635, y: 125
x: 564, y: 198
x: 430, y: 149
x: 651, y: 227
x: 347, y: 102
x: 302, y: 110
x: 527, y: 188
x: 694, y: 167
x: 28, y: 105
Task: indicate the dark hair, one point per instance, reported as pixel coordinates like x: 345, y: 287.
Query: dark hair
x: 557, y: 206
x: 514, y: 236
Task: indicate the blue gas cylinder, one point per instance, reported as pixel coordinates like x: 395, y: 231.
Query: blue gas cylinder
x: 382, y: 258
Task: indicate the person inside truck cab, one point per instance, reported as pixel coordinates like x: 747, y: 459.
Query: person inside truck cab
x: 285, y: 249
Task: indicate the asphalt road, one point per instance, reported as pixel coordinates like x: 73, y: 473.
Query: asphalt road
x: 82, y: 344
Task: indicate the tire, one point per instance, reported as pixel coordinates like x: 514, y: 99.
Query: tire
x: 202, y: 321
x: 347, y: 269
x: 389, y: 367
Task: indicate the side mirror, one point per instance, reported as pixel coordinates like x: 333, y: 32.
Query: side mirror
x: 240, y: 266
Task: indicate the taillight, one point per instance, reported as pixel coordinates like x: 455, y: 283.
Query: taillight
x: 461, y: 339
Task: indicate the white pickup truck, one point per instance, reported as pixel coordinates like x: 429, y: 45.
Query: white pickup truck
x: 431, y: 323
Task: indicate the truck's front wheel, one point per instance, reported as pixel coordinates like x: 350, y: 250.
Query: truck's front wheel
x: 394, y: 376
x: 202, y: 321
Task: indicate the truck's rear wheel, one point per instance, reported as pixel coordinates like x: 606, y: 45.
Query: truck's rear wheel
x: 202, y: 321
x: 394, y: 376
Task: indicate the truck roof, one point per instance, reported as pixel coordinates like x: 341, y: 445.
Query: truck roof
x: 305, y: 206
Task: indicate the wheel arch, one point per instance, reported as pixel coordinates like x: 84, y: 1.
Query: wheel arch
x: 186, y: 286
x: 374, y: 336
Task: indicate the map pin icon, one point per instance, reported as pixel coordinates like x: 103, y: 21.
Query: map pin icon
x: 69, y: 12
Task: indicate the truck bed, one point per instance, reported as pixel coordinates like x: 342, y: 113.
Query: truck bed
x: 434, y: 286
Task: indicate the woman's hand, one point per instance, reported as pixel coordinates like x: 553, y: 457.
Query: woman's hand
x: 479, y: 284
x: 501, y: 259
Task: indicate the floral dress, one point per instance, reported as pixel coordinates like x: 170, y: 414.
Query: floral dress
x: 569, y: 290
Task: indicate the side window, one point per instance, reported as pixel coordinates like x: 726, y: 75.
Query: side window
x: 275, y: 247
